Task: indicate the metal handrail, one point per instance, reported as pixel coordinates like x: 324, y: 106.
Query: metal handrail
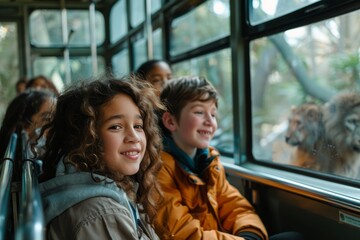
x: 31, y: 218
x: 5, y: 183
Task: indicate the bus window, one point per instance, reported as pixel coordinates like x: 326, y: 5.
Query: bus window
x: 155, y: 5
x: 295, y: 76
x: 261, y: 11
x: 157, y: 43
x: 118, y: 21
x: 120, y: 63
x: 137, y: 12
x: 139, y: 51
x: 9, y: 70
x: 54, y: 68
x: 46, y: 28
x: 206, y: 23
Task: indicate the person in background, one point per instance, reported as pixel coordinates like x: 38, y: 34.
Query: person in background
x: 41, y: 81
x: 103, y: 154
x: 21, y: 85
x: 26, y: 113
x: 199, y: 202
x: 156, y: 72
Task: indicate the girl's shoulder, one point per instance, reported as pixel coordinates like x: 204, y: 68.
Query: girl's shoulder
x: 96, y: 216
x: 100, y: 206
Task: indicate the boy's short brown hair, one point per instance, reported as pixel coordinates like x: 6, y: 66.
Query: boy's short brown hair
x: 180, y: 91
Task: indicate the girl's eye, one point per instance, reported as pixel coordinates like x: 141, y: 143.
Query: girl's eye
x: 115, y: 127
x: 139, y: 126
x: 155, y: 81
x: 199, y: 112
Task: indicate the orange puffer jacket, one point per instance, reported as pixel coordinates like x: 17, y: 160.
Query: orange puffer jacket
x: 203, y: 208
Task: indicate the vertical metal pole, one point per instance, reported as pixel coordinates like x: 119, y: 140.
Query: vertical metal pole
x: 93, y: 39
x: 148, y: 30
x: 6, y: 173
x: 31, y: 218
x: 65, y: 37
x: 26, y: 37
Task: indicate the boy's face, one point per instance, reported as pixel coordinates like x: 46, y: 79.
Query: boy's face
x: 196, y: 126
x: 123, y: 136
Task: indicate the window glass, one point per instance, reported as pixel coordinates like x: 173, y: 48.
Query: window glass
x: 137, y: 9
x: 46, y: 28
x: 204, y: 24
x: 118, y: 21
x: 297, y: 80
x: 216, y: 67
x: 157, y: 43
x: 54, y: 69
x: 265, y: 10
x: 155, y: 5
x: 9, y: 64
x: 140, y: 54
x: 120, y: 63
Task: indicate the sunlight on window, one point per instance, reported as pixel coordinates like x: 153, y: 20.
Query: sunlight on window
x: 265, y: 10
x: 269, y: 7
x: 219, y: 8
x: 3, y: 32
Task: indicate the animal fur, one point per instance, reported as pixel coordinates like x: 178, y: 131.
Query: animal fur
x: 342, y: 130
x: 305, y: 132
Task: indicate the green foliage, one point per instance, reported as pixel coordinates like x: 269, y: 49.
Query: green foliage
x: 346, y: 70
x: 9, y: 64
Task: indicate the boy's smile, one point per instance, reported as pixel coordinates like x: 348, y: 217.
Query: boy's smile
x: 196, y: 126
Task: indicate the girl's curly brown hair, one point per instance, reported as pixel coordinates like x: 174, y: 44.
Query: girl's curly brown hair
x: 72, y: 134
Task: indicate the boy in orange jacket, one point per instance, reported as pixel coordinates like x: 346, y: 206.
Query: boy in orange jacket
x: 199, y: 202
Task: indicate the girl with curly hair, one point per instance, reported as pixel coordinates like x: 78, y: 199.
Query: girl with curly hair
x: 102, y: 158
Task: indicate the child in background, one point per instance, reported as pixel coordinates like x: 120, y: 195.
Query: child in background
x: 21, y: 85
x: 199, y: 202
x: 41, y: 81
x: 28, y: 111
x: 103, y: 156
x: 157, y: 72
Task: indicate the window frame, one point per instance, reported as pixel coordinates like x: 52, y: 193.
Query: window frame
x: 313, y: 13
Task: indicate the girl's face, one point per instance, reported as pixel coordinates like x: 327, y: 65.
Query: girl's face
x: 160, y: 73
x: 43, y: 115
x: 122, y: 134
x: 196, y: 126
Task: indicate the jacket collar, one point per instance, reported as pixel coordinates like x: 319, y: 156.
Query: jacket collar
x: 196, y: 165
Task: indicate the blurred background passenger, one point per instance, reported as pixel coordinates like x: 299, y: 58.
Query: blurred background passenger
x: 21, y: 85
x: 41, y: 81
x: 156, y: 72
x: 28, y: 111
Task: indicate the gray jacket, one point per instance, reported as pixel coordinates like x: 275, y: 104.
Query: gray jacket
x: 77, y: 207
